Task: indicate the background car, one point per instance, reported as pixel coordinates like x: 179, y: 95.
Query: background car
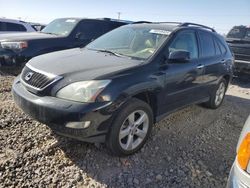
x: 60, y: 34
x: 115, y: 89
x: 238, y: 39
x: 9, y: 25
x: 240, y: 171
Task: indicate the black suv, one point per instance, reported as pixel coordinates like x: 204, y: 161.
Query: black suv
x: 238, y: 39
x: 17, y: 48
x: 118, y: 86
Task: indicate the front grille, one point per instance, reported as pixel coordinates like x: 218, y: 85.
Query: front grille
x: 35, y: 79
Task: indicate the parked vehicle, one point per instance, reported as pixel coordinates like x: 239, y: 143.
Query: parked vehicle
x: 60, y: 34
x: 9, y: 25
x: 240, y: 171
x: 118, y: 86
x: 238, y: 39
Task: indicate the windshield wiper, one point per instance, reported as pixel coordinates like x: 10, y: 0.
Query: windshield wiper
x: 116, y: 54
x: 49, y: 33
x: 111, y: 52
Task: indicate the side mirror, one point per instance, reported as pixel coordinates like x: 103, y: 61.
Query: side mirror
x: 180, y: 56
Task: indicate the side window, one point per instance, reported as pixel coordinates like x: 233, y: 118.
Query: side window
x: 1, y: 26
x: 14, y: 27
x: 185, y: 41
x: 90, y: 30
x: 222, y: 48
x: 217, y: 47
x: 113, y: 25
x: 207, y: 45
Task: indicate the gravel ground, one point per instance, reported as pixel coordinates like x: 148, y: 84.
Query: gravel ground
x: 194, y: 147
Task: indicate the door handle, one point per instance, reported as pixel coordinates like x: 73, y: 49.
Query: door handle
x: 200, y: 67
x: 223, y: 61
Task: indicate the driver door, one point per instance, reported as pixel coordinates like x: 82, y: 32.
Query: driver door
x: 183, y: 80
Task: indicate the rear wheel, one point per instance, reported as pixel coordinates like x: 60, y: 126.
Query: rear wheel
x: 131, y: 128
x: 217, y: 95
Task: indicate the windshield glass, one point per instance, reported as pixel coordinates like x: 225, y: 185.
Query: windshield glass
x: 137, y: 42
x: 239, y: 32
x: 60, y: 26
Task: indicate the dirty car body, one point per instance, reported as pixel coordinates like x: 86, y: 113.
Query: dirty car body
x: 144, y: 71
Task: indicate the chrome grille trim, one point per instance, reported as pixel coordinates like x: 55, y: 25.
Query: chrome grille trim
x: 40, y: 77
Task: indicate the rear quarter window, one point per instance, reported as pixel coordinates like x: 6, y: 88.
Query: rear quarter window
x: 219, y: 47
x: 207, y: 44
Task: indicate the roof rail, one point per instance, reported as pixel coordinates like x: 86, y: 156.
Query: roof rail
x: 199, y: 25
x: 116, y: 20
x: 177, y: 23
x: 140, y: 22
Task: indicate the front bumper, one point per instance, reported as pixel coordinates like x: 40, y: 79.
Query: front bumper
x: 56, y: 113
x: 238, y: 178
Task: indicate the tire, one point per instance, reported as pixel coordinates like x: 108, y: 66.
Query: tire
x: 220, y: 89
x: 126, y: 127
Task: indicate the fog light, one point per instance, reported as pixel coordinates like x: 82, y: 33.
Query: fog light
x: 78, y: 125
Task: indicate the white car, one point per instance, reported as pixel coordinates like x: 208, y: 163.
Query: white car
x: 9, y: 25
x: 240, y: 171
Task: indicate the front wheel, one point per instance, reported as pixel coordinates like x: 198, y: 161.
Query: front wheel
x: 217, y: 95
x: 131, y: 128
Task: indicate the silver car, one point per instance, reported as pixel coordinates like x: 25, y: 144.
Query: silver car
x: 240, y: 171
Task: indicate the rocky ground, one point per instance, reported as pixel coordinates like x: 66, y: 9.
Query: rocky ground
x: 194, y: 147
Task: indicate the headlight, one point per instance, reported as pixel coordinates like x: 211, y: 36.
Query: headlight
x: 14, y: 45
x: 85, y: 91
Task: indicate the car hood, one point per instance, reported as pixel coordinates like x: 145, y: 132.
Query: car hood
x: 26, y: 36
x: 81, y: 63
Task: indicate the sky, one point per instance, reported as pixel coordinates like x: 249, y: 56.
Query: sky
x: 220, y: 14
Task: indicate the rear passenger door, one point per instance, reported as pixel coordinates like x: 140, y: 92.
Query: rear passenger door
x: 211, y: 56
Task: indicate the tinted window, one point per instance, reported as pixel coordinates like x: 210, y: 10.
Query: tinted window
x: 1, y: 26
x: 185, y: 41
x: 207, y: 44
x: 217, y: 47
x: 14, y: 27
x: 108, y: 26
x: 90, y: 30
x: 222, y: 48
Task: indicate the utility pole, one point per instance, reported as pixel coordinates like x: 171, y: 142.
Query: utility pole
x: 119, y: 15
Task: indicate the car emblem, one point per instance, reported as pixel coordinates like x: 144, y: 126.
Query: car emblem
x: 28, y: 76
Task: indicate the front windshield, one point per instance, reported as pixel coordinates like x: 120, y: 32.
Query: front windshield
x: 138, y: 42
x: 60, y: 26
x: 239, y: 32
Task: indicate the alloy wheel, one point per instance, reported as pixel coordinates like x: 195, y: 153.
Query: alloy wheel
x: 220, y: 93
x: 134, y: 130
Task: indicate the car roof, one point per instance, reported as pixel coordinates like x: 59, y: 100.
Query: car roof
x: 94, y: 19
x: 12, y: 20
